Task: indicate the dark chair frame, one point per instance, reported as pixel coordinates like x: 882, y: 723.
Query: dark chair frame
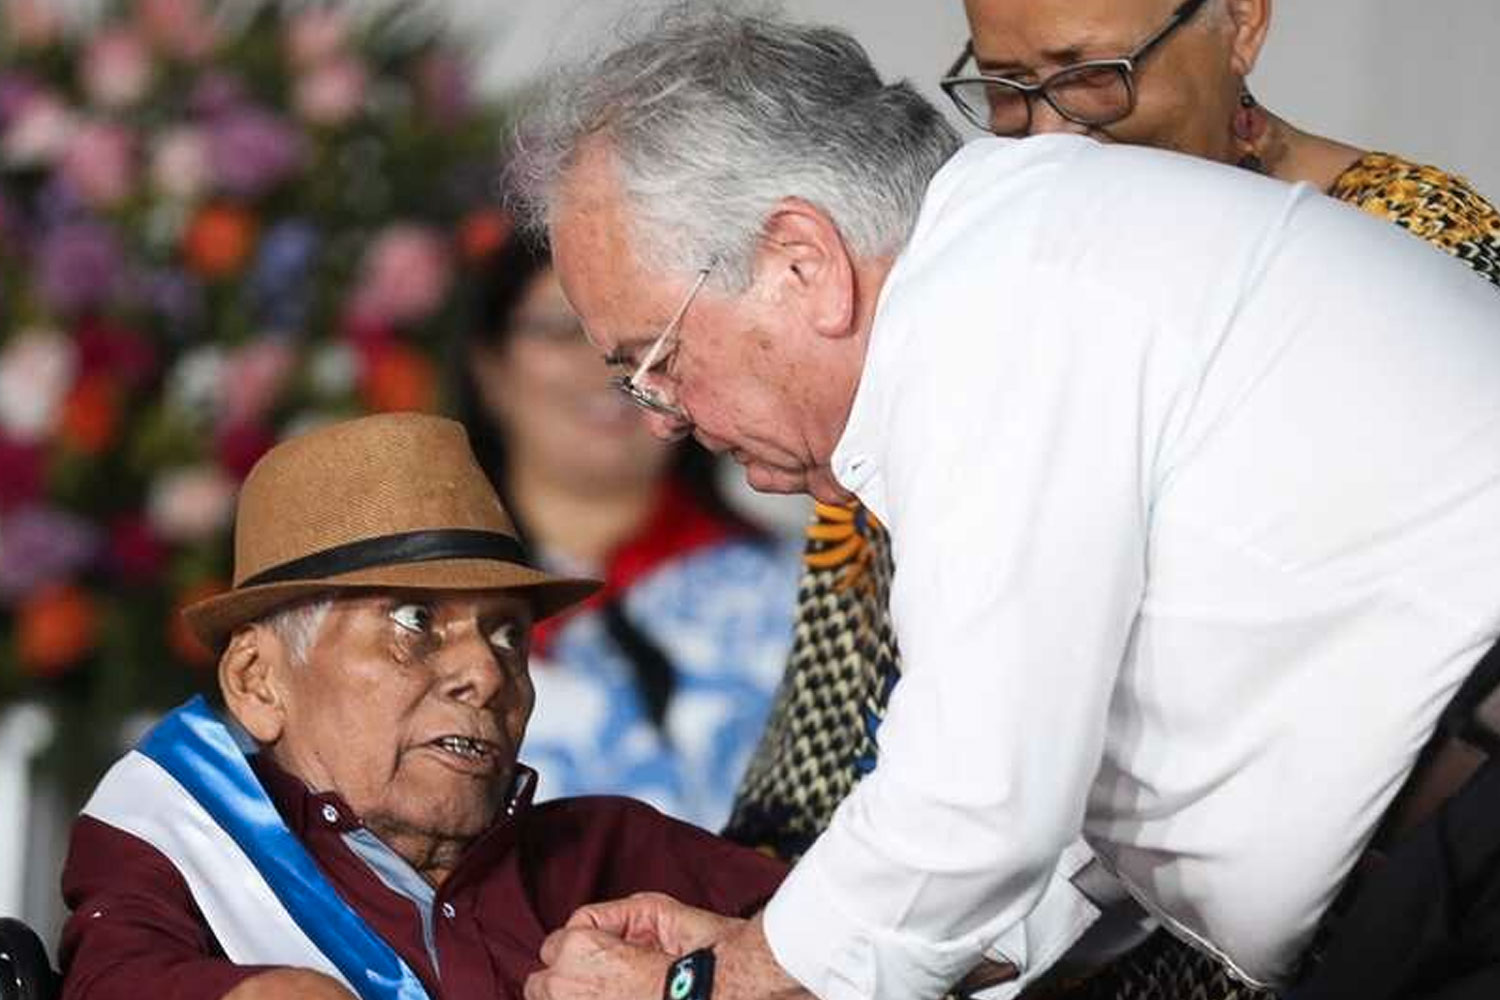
x: 25, y: 971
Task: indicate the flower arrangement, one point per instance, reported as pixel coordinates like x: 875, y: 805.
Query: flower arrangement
x: 214, y: 231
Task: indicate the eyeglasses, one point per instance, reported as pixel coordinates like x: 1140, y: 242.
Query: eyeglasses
x: 1093, y: 93
x: 642, y: 386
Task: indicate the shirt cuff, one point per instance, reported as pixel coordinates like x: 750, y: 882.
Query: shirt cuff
x: 837, y: 957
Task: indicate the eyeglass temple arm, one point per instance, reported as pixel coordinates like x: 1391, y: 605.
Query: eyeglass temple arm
x: 963, y: 57
x: 1179, y: 16
x: 671, y: 328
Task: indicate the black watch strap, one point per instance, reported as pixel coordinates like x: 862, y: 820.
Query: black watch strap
x: 691, y: 977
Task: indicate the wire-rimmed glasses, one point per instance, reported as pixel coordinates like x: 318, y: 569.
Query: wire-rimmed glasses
x: 642, y: 386
x: 1094, y: 93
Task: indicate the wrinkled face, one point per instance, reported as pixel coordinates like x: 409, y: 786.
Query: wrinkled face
x: 737, y: 365
x: 544, y: 383
x: 1186, y: 88
x: 411, y: 706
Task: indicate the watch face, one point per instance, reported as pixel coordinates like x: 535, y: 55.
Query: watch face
x: 680, y: 986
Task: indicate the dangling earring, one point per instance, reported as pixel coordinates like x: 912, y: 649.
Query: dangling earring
x: 1249, y: 126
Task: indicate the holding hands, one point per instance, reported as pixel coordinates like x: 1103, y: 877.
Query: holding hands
x: 623, y: 948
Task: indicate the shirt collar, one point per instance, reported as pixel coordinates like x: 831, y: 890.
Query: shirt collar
x: 305, y: 810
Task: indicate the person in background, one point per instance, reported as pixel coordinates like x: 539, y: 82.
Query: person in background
x: 659, y: 686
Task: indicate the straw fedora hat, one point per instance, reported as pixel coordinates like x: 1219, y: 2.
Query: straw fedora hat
x: 394, y: 500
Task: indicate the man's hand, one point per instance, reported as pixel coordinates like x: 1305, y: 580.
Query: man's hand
x: 290, y: 984
x: 621, y: 951
x: 589, y: 964
x: 654, y: 920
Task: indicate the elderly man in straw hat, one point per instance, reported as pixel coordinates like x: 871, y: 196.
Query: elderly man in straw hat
x: 359, y: 825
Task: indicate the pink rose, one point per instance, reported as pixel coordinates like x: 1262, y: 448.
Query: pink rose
x: 36, y: 371
x: 250, y: 380
x: 332, y: 92
x: 100, y: 163
x: 39, y: 132
x: 190, y: 504
x: 180, y: 27
x: 179, y: 163
x: 404, y: 276
x: 315, y: 35
x: 116, y: 70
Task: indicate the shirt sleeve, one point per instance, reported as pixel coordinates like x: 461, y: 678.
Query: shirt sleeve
x: 134, y: 930
x: 1009, y: 462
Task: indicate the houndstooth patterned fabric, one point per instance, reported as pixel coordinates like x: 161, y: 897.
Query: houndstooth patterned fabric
x: 1162, y: 968
x: 820, y: 739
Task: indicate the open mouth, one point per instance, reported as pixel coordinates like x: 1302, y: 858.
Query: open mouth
x: 467, y: 752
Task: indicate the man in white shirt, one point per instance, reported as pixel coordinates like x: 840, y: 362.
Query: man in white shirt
x: 1192, y: 478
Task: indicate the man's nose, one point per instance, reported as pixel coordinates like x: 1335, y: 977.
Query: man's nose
x: 1046, y: 119
x: 668, y: 427
x: 470, y: 671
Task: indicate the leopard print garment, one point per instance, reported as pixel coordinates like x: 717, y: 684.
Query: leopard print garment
x: 844, y: 662
x: 1428, y: 203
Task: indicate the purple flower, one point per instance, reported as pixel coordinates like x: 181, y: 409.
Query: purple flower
x: 79, y: 266
x: 176, y: 298
x: 281, y: 274
x: 252, y: 151
x: 216, y: 93
x: 443, y: 88
x: 16, y: 91
x: 40, y: 546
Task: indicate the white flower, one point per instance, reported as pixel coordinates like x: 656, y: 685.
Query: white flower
x: 39, y: 133
x: 179, y: 163
x: 193, y: 386
x: 333, y: 370
x: 190, y: 504
x: 36, y: 371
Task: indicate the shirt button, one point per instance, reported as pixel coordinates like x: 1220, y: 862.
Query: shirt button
x: 330, y: 814
x: 449, y: 911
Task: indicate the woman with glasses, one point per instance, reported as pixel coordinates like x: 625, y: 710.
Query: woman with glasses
x: 1161, y: 73
x: 658, y: 687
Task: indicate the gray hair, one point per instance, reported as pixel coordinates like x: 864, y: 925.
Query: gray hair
x: 713, y: 116
x: 297, y: 625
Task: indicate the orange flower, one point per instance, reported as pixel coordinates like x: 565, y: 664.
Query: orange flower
x: 218, y: 241
x: 483, y: 232
x: 56, y: 627
x: 187, y: 646
x: 91, y: 414
x: 398, y: 378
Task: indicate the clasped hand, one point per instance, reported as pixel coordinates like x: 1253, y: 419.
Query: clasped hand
x: 621, y: 950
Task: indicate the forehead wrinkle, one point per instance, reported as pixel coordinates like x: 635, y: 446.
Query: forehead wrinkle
x: 1062, y: 34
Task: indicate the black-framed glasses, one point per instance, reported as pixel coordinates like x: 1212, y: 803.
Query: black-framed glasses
x: 1094, y: 93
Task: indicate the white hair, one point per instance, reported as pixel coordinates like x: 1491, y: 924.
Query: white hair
x: 713, y: 116
x: 296, y: 626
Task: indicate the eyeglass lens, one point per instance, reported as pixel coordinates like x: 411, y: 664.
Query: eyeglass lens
x: 1096, y: 94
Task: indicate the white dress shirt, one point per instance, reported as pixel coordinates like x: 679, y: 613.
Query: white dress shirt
x: 1194, y: 484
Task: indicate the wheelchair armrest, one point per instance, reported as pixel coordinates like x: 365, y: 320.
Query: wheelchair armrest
x: 25, y: 971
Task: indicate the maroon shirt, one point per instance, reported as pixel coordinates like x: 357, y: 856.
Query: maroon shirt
x: 135, y: 931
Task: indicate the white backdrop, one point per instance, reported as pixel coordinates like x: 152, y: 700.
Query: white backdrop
x: 1417, y: 78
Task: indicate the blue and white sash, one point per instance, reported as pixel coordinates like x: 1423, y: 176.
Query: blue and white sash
x: 188, y: 791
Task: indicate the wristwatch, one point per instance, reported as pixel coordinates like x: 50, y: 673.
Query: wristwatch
x: 691, y: 977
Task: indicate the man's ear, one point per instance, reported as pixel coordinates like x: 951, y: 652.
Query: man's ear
x: 1251, y: 20
x: 802, y: 247
x: 250, y: 678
